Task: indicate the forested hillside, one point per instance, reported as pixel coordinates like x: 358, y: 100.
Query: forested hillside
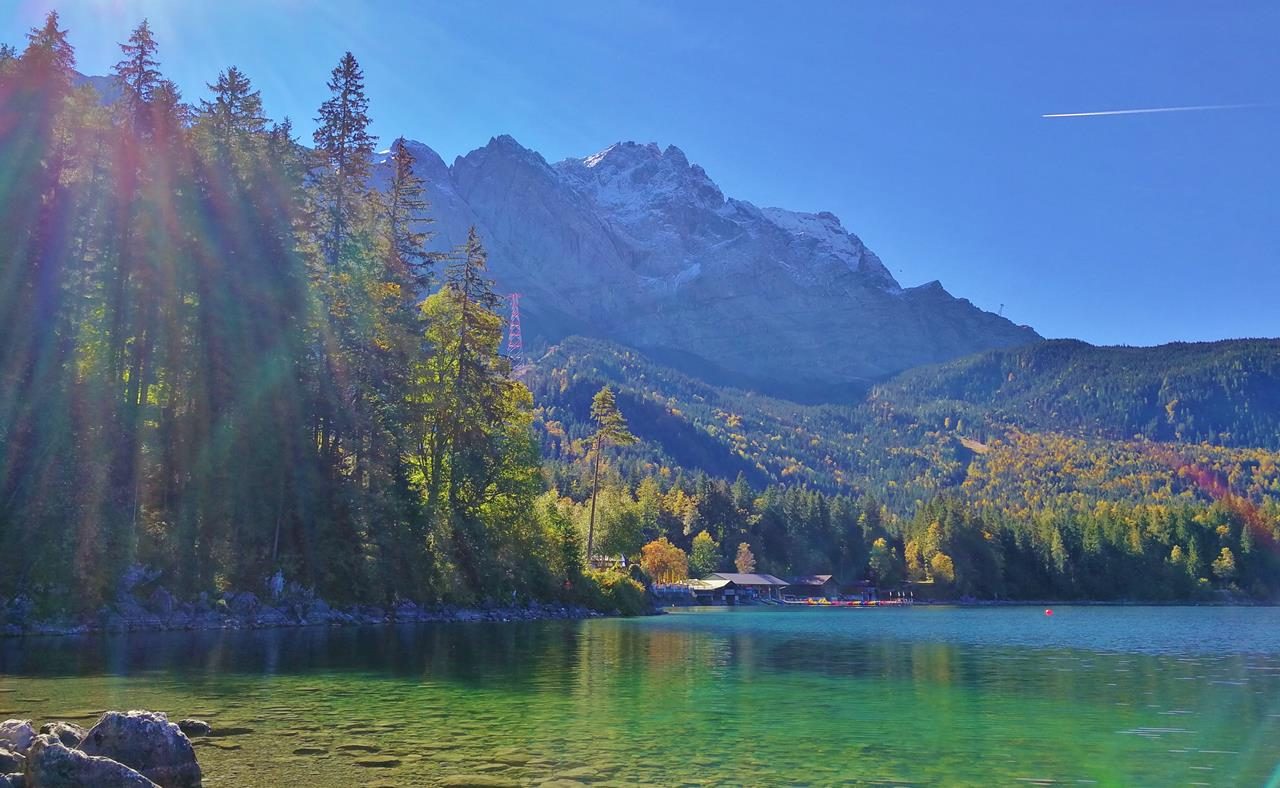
x: 1221, y: 392
x: 1012, y: 510
x: 217, y: 362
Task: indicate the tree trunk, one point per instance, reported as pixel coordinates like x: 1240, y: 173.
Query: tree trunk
x: 595, y: 488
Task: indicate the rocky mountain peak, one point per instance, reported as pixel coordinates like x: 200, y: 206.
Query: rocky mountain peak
x: 503, y: 147
x: 627, y: 173
x: 636, y: 243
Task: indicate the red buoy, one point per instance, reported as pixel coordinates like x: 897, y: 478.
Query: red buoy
x: 1048, y: 612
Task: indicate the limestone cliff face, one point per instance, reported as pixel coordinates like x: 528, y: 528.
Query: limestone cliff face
x: 636, y: 244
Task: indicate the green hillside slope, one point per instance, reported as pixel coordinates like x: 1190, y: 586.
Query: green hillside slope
x: 1073, y: 419
x: 1221, y: 392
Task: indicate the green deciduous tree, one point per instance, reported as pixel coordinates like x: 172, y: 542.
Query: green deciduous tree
x: 705, y: 555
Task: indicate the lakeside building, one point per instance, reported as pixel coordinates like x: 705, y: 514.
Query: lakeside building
x: 703, y: 592
x: 749, y: 586
x: 813, y: 586
x: 735, y: 588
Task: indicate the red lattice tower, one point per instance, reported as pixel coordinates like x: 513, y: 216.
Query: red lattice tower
x: 515, y: 338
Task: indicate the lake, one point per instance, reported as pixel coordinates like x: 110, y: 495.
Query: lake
x: 752, y: 696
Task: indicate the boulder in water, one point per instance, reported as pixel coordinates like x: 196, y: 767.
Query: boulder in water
x: 195, y: 727
x: 148, y: 742
x: 50, y: 764
x: 17, y: 735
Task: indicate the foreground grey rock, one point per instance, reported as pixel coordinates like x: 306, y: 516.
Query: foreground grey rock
x: 51, y: 764
x: 148, y: 742
x: 68, y: 733
x: 11, y: 761
x: 17, y: 735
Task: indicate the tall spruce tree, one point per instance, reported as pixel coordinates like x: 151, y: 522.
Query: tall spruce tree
x: 233, y: 121
x: 138, y: 75
x: 404, y: 206
x: 343, y: 145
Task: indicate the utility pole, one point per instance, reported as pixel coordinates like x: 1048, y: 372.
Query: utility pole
x: 515, y: 338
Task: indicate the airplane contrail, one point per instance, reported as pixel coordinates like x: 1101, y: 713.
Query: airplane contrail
x: 1200, y: 108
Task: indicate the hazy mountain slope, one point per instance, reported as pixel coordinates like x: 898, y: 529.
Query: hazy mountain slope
x: 1222, y: 392
x: 637, y: 245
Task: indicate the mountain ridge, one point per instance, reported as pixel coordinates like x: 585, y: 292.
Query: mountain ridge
x: 637, y: 244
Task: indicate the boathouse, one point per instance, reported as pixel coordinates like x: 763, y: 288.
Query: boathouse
x: 813, y: 586
x: 712, y: 591
x: 750, y: 586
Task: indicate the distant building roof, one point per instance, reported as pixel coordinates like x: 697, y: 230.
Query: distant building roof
x: 747, y: 580
x: 811, y: 580
x: 708, y: 584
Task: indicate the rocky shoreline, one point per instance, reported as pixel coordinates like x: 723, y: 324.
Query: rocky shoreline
x: 159, y: 611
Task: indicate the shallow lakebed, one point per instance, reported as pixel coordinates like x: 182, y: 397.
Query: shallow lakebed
x: 1112, y: 695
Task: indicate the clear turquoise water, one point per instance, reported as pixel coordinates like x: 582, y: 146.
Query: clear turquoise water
x: 972, y: 696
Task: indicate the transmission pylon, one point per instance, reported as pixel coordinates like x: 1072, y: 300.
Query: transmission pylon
x: 515, y: 338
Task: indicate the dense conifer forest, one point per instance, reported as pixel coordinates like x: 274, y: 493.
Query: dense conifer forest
x: 218, y: 364
x: 224, y: 355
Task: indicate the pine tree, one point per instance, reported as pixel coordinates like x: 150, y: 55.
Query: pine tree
x: 233, y: 121
x: 343, y: 145
x: 49, y: 59
x: 138, y: 76
x: 610, y: 426
x: 745, y: 560
x: 469, y: 404
x: 404, y: 206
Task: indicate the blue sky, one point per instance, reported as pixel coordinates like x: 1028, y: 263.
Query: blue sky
x: 917, y: 123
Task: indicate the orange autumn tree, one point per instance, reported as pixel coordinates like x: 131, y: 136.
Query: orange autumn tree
x: 663, y: 561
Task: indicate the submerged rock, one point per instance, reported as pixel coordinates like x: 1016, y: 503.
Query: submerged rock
x: 195, y: 727
x: 17, y: 735
x: 148, y: 742
x: 68, y: 733
x: 50, y: 764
